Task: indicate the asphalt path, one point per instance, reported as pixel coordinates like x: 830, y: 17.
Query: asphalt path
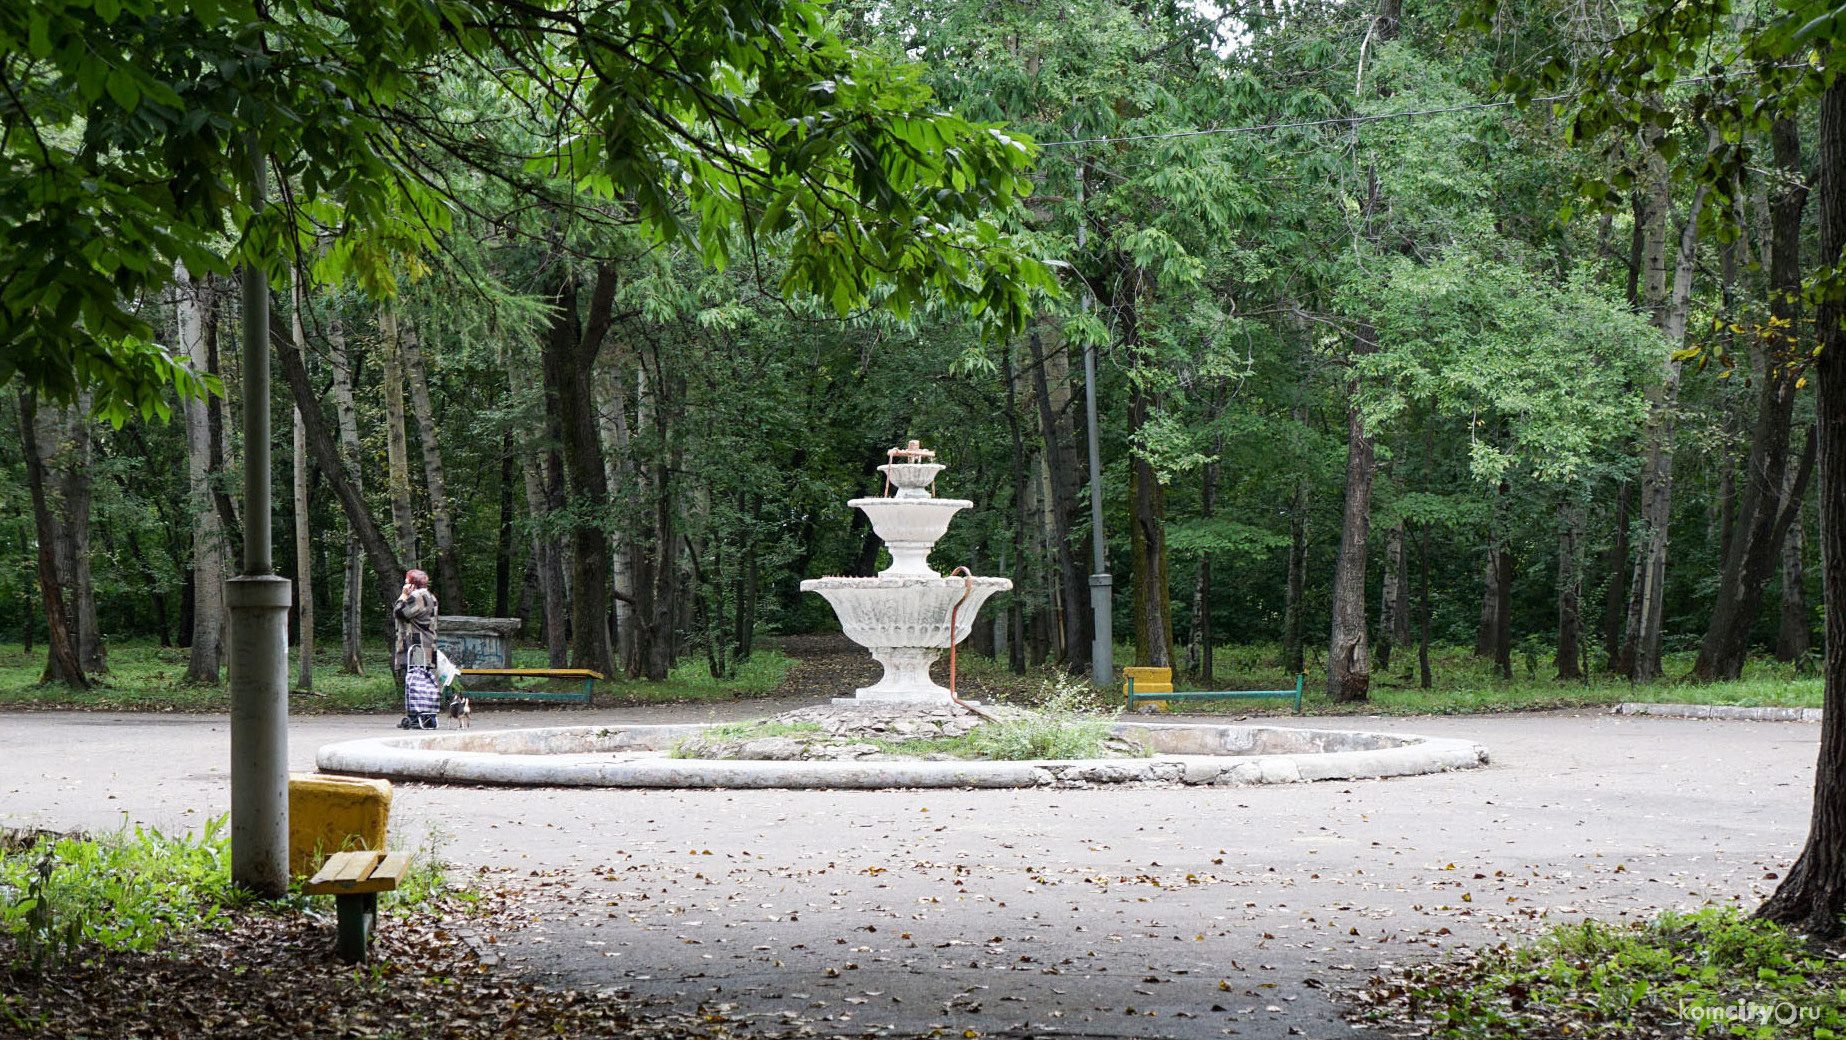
x: 1149, y: 911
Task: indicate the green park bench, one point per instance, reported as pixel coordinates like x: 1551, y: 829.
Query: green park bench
x: 588, y: 676
x: 1128, y: 689
x: 354, y: 880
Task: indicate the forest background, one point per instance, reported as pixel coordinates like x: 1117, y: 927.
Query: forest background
x: 1381, y: 356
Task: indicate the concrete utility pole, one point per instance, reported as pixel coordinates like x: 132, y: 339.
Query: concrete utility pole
x: 1102, y: 641
x: 258, y: 601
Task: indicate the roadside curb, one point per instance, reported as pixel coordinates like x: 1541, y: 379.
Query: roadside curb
x: 1717, y: 711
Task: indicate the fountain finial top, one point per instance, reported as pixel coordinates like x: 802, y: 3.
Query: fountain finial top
x: 912, y: 470
x: 913, y: 451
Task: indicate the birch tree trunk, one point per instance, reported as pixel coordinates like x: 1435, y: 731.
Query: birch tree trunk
x: 1394, y: 598
x: 397, y: 445
x: 1349, y: 663
x: 1667, y: 294
x: 1294, y: 619
x: 1615, y: 595
x: 304, y: 565
x: 352, y: 584
x: 442, y: 518
x: 193, y: 310
x: 547, y: 562
x: 1795, y: 631
x: 1570, y: 595
x: 304, y: 537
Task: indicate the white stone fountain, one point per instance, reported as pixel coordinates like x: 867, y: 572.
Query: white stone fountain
x: 902, y: 615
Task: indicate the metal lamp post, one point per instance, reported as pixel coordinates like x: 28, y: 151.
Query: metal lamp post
x: 258, y: 602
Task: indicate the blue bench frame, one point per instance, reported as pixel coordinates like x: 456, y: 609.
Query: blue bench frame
x: 1131, y: 697
x: 588, y: 676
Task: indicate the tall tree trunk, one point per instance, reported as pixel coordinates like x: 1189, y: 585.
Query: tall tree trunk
x: 548, y: 562
x: 1813, y: 892
x: 1495, y: 640
x: 1795, y: 630
x: 1394, y: 598
x: 61, y: 664
x: 1023, y: 585
x: 397, y: 444
x: 1667, y: 293
x: 304, y: 537
x: 64, y: 437
x: 1349, y: 664
x: 387, y: 569
x: 1570, y: 594
x: 208, y: 543
x: 1615, y: 594
x: 1425, y: 678
x: 1489, y: 628
x: 571, y: 344
x: 304, y: 564
x: 442, y: 517
x: 352, y: 571
x: 1061, y: 471
x: 1294, y: 618
x: 1770, y: 501
x: 1153, y: 607
x: 503, y: 536
x: 547, y: 558
x: 1199, y: 661
x: 617, y: 443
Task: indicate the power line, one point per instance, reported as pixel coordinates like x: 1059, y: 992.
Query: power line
x: 1335, y: 121
x: 1345, y: 120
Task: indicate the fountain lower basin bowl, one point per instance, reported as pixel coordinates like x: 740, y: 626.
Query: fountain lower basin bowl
x: 892, y: 612
x: 636, y: 756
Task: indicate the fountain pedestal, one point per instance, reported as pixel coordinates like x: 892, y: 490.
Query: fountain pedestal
x: 902, y: 615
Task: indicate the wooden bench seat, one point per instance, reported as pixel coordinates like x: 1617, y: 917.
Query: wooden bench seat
x: 354, y: 880
x: 1131, y: 697
x: 589, y: 677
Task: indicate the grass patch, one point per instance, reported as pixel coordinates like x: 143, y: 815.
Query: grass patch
x: 146, y: 677
x: 127, y: 890
x: 1465, y: 684
x: 753, y: 676
x: 1712, y: 973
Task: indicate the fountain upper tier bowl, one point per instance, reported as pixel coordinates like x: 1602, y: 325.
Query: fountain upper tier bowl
x: 910, y: 527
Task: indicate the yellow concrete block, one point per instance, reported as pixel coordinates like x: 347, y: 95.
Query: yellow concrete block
x: 329, y: 814
x: 1149, y: 680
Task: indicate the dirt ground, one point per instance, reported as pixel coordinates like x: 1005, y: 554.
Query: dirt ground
x: 1115, y: 912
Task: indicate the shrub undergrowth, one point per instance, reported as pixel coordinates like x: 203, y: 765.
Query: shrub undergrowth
x: 123, y: 891
x: 1710, y: 973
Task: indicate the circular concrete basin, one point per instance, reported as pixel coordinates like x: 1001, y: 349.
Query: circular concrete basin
x: 637, y: 756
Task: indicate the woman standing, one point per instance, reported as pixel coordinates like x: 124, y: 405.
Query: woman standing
x: 415, y: 611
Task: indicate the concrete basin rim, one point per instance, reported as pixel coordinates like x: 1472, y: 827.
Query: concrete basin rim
x: 419, y: 757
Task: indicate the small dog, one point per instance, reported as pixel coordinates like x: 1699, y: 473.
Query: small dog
x: 460, y: 711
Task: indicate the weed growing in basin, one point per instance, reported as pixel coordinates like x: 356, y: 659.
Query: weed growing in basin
x: 1063, y: 724
x: 123, y: 891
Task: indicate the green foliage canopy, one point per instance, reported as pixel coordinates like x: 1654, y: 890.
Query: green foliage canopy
x: 131, y: 127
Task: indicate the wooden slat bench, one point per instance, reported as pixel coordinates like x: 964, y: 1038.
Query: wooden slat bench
x: 588, y: 676
x: 1128, y: 689
x: 354, y: 880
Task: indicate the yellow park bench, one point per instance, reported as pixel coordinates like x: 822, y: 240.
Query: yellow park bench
x: 354, y: 880
x: 589, y: 677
